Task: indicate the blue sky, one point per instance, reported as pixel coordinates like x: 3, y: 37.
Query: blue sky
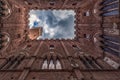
x: 57, y: 24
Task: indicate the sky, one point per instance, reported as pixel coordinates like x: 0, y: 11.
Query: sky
x: 56, y: 24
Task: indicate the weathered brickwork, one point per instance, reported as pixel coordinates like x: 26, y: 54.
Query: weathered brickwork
x: 83, y: 58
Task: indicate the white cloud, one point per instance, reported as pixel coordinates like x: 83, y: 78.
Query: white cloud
x: 33, y: 18
x: 41, y: 17
x: 62, y: 14
x: 50, y: 31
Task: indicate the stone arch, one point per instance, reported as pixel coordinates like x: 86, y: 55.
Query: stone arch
x: 51, y: 64
x: 97, y: 39
x: 6, y: 9
x: 96, y: 10
x: 4, y: 41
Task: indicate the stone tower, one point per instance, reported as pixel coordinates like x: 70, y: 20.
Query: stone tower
x: 94, y: 54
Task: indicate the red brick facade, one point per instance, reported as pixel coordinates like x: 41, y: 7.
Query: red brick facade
x: 81, y: 58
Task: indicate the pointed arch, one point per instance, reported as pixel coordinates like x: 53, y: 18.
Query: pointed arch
x: 45, y: 64
x: 52, y: 63
x: 58, y: 64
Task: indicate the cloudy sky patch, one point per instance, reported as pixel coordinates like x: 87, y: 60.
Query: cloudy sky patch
x: 56, y: 24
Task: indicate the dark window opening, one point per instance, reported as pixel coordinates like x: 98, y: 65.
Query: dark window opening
x: 87, y: 36
x: 29, y: 3
x: 74, y: 4
x: 33, y: 78
x: 51, y: 46
x: 18, y: 36
x: 87, y: 13
x: 52, y: 3
x: 2, y: 3
x: 12, y: 77
x: 74, y: 46
x: 19, y: 10
x: 28, y: 45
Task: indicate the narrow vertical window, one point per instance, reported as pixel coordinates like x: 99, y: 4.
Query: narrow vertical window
x: 51, y: 46
x: 58, y: 64
x: 45, y: 64
x: 51, y: 65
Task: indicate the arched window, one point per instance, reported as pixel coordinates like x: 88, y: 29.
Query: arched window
x: 51, y: 46
x: 58, y: 64
x: 51, y: 64
x: 87, y: 13
x: 45, y: 64
x: 4, y: 8
x: 4, y: 40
